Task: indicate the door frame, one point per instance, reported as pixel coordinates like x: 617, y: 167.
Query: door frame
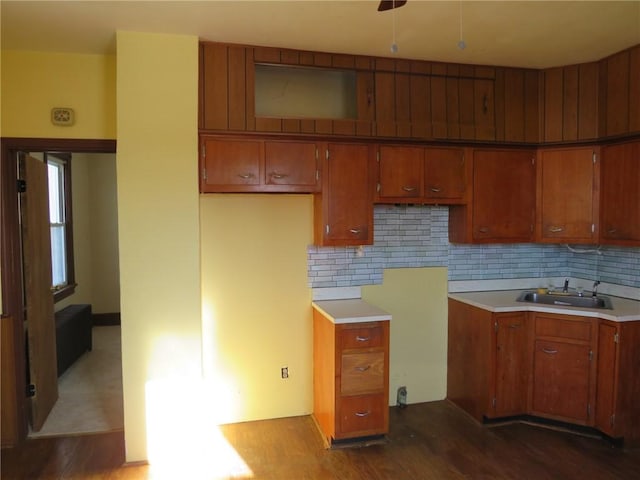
x: 14, y: 401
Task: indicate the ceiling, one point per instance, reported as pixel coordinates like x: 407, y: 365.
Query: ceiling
x: 533, y: 34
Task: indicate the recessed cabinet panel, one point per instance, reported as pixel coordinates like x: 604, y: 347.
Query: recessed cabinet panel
x: 292, y: 163
x: 400, y: 172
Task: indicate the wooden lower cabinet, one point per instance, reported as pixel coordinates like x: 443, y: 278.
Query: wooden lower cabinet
x: 350, y: 378
x: 568, y: 368
x: 488, y: 368
x: 617, y: 410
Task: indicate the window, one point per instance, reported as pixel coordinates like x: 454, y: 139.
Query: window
x: 59, y: 174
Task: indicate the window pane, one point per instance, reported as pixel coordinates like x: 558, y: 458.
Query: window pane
x: 58, y: 256
x: 55, y: 193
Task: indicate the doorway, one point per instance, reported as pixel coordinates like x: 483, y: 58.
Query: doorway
x: 15, y: 400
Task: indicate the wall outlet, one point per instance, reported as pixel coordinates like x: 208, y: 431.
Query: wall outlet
x: 284, y: 372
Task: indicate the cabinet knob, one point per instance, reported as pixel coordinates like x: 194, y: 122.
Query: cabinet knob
x: 435, y: 189
x: 409, y: 189
x: 363, y: 414
x: 355, y: 231
x: 245, y: 176
x: 556, y: 229
x: 362, y: 339
x: 549, y: 351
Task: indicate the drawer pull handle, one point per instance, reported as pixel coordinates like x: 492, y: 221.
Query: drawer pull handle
x: 556, y: 229
x: 549, y: 351
x: 515, y: 325
x: 362, y: 339
x: 245, y: 176
x: 279, y: 176
x: 435, y: 189
x: 363, y: 414
x: 612, y: 230
x: 355, y: 231
x: 363, y: 369
x: 483, y: 229
x: 409, y: 189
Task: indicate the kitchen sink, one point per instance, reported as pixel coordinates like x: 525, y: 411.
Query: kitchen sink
x: 566, y: 300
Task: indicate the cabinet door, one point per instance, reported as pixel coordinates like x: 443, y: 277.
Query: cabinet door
x: 620, y: 208
x: 231, y: 165
x: 607, y: 378
x: 561, y: 380
x: 503, y: 195
x: 292, y: 166
x: 511, y: 357
x: 444, y: 173
x: 568, y: 185
x: 400, y: 173
x: 344, y: 211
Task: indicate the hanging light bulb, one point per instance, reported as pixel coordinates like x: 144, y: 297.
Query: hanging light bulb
x: 394, y: 45
x: 461, y: 43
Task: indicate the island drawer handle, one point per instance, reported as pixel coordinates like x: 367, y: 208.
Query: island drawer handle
x: 549, y: 351
x: 556, y: 229
x: 362, y: 339
x: 363, y: 414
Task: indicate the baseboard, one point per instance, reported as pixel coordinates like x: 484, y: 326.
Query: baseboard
x: 106, y: 319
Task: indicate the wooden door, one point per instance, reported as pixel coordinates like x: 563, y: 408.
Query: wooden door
x: 346, y: 200
x: 292, y: 166
x: 620, y: 208
x: 561, y: 380
x: 607, y: 377
x: 231, y: 165
x: 400, y: 173
x: 568, y: 185
x: 444, y: 173
x: 511, y: 365
x: 41, y: 332
x: 503, y: 195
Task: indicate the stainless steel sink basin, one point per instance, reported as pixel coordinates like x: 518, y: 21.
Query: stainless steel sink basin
x: 566, y: 300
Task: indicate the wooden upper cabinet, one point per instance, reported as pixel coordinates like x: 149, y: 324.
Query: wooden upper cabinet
x: 620, y: 199
x: 344, y: 210
x: 620, y: 92
x: 445, y: 175
x: 231, y: 165
x: 400, y: 174
x: 256, y: 165
x: 503, y: 199
x: 567, y: 195
x: 517, y: 105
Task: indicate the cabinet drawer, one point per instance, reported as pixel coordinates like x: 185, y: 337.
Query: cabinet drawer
x: 362, y: 414
x: 563, y: 328
x: 362, y: 372
x: 363, y: 337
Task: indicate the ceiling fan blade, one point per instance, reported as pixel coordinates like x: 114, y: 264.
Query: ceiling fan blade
x: 389, y: 4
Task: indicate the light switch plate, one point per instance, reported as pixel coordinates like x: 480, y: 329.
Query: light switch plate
x: 62, y: 116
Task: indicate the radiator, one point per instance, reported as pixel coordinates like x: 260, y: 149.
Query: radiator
x: 73, y: 334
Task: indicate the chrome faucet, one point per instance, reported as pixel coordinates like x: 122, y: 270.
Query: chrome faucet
x: 595, y: 288
x: 565, y: 289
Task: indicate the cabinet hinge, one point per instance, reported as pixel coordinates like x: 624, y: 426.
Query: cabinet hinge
x: 588, y: 410
x: 493, y: 402
x: 590, y: 355
x: 594, y: 156
x: 378, y: 156
x: 378, y: 187
x: 326, y: 228
x: 495, y: 326
x: 317, y: 175
x: 533, y: 160
x: 326, y: 154
x: 31, y: 390
x: 204, y: 174
x: 612, y: 420
x: 22, y: 186
x: 316, y: 153
x: 593, y: 227
x: 616, y: 338
x: 204, y: 150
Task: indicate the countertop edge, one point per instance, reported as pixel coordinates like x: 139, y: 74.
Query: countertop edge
x: 374, y: 313
x: 528, y: 307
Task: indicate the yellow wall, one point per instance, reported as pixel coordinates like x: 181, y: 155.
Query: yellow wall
x: 157, y: 85
x: 35, y: 82
x: 256, y: 303
x: 417, y: 299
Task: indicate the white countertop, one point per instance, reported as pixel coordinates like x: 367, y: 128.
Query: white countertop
x: 353, y: 310
x: 624, y: 309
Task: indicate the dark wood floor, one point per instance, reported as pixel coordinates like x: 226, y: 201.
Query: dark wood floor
x: 427, y: 441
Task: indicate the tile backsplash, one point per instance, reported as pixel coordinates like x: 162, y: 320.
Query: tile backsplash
x: 417, y: 236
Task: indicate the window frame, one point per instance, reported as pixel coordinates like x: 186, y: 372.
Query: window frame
x: 70, y: 287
